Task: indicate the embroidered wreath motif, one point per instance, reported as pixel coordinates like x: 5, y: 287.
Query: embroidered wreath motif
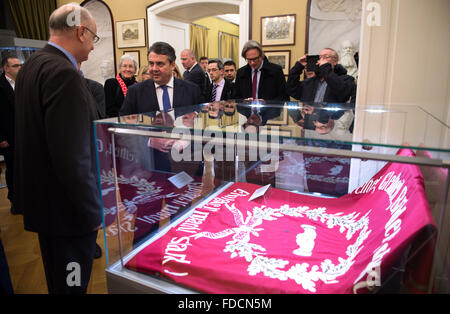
x: 302, y: 274
x: 146, y: 191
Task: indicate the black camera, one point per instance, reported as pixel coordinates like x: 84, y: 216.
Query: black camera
x: 311, y: 61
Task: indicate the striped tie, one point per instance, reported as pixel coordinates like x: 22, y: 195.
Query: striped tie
x: 214, y: 91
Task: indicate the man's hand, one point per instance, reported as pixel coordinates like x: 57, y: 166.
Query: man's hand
x: 302, y: 60
x: 161, y: 144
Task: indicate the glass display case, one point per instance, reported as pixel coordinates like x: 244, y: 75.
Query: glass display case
x: 257, y: 197
x: 23, y: 48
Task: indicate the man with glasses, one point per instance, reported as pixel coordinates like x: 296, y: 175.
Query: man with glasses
x: 259, y: 79
x: 220, y: 89
x: 11, y: 66
x: 330, y: 84
x: 55, y: 176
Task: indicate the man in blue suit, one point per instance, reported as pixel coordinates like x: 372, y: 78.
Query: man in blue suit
x: 163, y: 92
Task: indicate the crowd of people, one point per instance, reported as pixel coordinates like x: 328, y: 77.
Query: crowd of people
x: 47, y: 109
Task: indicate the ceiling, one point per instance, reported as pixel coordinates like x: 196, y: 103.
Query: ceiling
x: 192, y: 12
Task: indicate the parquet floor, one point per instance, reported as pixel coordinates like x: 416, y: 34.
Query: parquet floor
x: 24, y: 258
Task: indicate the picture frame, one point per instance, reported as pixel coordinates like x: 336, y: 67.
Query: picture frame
x: 131, y: 33
x: 280, y: 57
x: 278, y: 30
x: 136, y: 55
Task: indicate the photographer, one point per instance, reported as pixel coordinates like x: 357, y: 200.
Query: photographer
x: 330, y: 84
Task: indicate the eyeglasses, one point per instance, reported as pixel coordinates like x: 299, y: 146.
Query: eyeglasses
x: 253, y: 59
x: 95, y: 37
x: 326, y: 56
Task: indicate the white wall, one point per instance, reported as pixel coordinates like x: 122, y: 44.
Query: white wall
x: 406, y: 60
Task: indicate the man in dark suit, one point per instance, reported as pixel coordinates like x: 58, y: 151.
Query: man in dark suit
x: 220, y: 89
x: 11, y: 66
x: 164, y: 92
x: 194, y: 72
x: 259, y: 79
x: 98, y: 93
x: 55, y: 176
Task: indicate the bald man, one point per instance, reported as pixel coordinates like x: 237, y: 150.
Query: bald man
x: 194, y: 72
x: 55, y: 159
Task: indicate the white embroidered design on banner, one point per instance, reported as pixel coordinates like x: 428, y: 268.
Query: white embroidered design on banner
x: 302, y: 274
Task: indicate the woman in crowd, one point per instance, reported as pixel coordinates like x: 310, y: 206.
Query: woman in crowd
x: 144, y: 74
x: 116, y: 88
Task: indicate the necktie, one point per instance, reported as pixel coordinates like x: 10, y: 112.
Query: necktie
x: 166, y: 99
x: 214, y: 91
x: 254, y: 84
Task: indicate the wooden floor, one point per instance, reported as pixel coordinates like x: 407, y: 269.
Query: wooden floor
x: 24, y: 258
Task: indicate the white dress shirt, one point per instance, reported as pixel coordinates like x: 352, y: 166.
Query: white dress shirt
x: 258, y: 76
x: 159, y: 95
x: 219, y: 89
x: 11, y: 81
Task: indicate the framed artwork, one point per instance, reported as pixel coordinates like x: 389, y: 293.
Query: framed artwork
x: 135, y: 54
x: 130, y: 33
x: 280, y: 57
x: 278, y: 30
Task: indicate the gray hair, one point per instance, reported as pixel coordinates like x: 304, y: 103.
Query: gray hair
x: 336, y: 56
x: 128, y: 57
x: 68, y: 17
x: 252, y: 44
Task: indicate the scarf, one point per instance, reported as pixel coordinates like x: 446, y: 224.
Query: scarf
x: 122, y: 84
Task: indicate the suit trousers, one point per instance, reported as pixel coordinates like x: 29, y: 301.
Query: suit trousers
x: 68, y: 262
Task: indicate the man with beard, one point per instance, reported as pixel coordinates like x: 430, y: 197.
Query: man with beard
x: 330, y: 84
x: 348, y: 59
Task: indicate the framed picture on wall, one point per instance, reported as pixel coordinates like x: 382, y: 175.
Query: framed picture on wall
x: 280, y: 57
x: 130, y: 33
x: 278, y: 30
x: 136, y: 55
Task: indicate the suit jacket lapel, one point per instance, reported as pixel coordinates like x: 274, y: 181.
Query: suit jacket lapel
x: 4, y: 84
x: 151, y: 100
x: 177, y: 93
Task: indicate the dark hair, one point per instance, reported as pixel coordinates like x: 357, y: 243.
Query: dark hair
x: 6, y: 57
x: 230, y: 62
x: 163, y: 48
x: 203, y: 58
x: 219, y: 63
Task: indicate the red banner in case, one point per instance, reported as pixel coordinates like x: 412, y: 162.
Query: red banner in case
x: 289, y: 243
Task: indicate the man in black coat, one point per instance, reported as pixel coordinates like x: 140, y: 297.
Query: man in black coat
x: 330, y: 83
x: 270, y: 83
x: 148, y: 96
x: 224, y: 88
x: 194, y: 72
x: 11, y: 66
x: 55, y: 174
x: 98, y: 93
x: 260, y: 79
